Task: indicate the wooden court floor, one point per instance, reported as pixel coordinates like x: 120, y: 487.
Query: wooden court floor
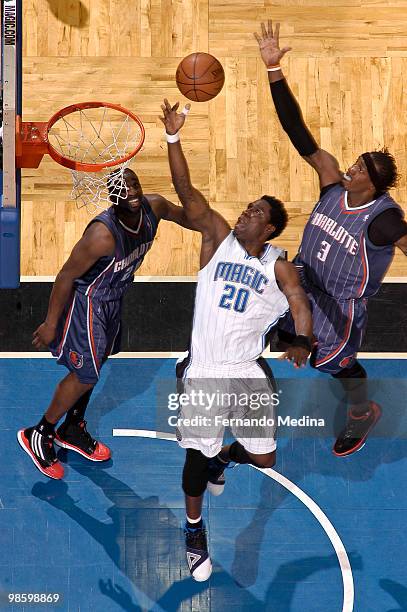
x: 346, y: 68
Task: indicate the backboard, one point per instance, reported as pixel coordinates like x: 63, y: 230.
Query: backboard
x: 10, y: 176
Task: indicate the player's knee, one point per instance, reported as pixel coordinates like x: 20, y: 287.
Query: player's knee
x: 195, y: 473
x: 356, y: 371
x: 238, y: 454
x: 264, y: 461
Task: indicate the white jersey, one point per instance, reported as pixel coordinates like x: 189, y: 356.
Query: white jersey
x: 237, y: 303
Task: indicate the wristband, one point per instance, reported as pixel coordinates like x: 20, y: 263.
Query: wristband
x: 303, y: 342
x: 172, y: 137
x: 273, y: 68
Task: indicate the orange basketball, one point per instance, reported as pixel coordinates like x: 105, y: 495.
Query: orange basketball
x: 200, y: 77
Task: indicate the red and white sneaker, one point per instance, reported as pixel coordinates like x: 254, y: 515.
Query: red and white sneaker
x: 41, y: 450
x: 74, y: 436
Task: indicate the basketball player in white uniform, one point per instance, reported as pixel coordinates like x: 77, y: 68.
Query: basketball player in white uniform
x: 244, y: 287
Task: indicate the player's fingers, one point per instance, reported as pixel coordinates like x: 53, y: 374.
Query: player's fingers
x: 186, y: 109
x: 277, y: 32
x: 285, y: 49
x: 167, y: 104
x: 270, y: 27
x: 263, y: 30
x: 175, y: 107
x: 257, y: 37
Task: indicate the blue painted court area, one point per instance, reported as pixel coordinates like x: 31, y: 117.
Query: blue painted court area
x: 109, y: 536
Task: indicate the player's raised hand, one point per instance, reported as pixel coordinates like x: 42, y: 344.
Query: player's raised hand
x: 172, y: 120
x: 43, y: 335
x: 269, y: 44
x: 297, y: 355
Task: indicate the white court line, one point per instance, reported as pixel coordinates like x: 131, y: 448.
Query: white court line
x: 137, y: 279
x: 343, y: 559
x: 174, y: 279
x: 175, y: 355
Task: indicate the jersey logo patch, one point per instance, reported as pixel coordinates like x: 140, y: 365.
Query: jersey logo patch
x: 76, y: 359
x: 345, y: 361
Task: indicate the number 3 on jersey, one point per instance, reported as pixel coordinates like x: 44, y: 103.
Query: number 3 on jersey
x: 323, y: 252
x: 239, y: 299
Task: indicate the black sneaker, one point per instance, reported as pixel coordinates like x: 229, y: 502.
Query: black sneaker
x: 216, y: 481
x: 42, y: 452
x: 74, y: 436
x: 198, y: 559
x: 353, y: 437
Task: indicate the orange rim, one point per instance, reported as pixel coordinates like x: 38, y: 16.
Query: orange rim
x: 87, y: 167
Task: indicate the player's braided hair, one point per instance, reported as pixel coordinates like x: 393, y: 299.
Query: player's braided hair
x: 278, y: 215
x: 386, y: 168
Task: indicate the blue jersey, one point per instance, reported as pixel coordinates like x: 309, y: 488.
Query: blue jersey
x: 336, y: 253
x: 110, y: 276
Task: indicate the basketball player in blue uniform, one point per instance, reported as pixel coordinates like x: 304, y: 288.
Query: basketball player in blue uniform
x: 83, y: 324
x: 244, y: 287
x: 347, y: 246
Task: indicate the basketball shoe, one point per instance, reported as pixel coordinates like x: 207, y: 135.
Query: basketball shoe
x: 74, y: 436
x: 216, y: 480
x: 41, y: 450
x: 353, y: 437
x: 198, y: 559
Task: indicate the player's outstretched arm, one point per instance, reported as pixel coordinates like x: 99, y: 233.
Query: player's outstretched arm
x: 199, y: 215
x: 288, y: 110
x: 96, y: 242
x: 164, y: 209
x: 289, y: 283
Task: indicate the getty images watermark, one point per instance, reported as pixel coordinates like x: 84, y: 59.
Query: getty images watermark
x: 198, y: 408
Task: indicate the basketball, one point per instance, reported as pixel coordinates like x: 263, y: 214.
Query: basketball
x: 200, y: 77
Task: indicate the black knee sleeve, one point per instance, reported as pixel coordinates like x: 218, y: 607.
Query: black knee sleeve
x: 195, y: 473
x: 354, y: 383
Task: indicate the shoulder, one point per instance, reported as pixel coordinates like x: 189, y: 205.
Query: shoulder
x: 330, y: 188
x: 157, y: 202
x: 98, y: 230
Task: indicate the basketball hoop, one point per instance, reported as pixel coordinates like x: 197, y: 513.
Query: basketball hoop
x: 95, y: 140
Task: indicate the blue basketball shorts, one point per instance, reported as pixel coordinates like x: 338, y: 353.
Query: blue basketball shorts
x: 88, y: 332
x: 338, y: 327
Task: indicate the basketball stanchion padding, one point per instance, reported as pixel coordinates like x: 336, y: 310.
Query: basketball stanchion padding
x: 9, y: 247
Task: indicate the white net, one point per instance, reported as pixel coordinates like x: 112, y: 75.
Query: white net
x: 96, y: 136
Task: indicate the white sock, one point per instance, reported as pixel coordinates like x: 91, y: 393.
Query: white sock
x: 193, y: 521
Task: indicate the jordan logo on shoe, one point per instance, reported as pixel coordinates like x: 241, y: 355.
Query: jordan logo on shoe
x: 192, y: 559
